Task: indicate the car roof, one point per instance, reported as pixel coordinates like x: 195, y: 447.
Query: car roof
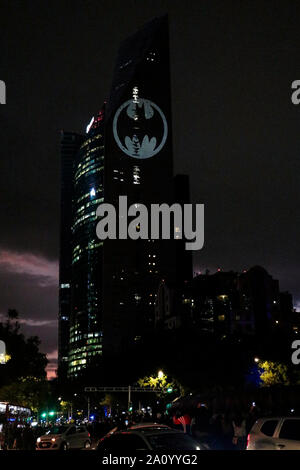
x: 265, y: 418
x: 148, y: 431
x: 149, y: 425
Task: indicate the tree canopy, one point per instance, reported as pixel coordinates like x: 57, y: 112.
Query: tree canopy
x: 23, y: 376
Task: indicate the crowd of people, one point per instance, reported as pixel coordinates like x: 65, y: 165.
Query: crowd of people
x: 226, y: 430
x: 18, y: 436
x: 222, y: 430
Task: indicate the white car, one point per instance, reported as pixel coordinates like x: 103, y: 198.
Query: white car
x: 281, y: 433
x: 64, y: 437
x: 147, y: 436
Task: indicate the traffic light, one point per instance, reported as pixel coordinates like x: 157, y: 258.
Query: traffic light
x: 168, y: 407
x: 45, y: 414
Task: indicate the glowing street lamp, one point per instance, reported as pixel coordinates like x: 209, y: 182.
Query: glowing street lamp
x: 3, y: 356
x: 160, y: 374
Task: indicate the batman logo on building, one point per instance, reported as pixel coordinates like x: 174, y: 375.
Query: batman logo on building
x: 140, y: 128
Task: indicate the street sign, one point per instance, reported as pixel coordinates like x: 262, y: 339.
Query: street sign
x: 128, y: 390
x: 121, y: 389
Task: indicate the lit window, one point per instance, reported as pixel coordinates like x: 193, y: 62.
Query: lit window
x: 135, y: 94
x: 136, y: 175
x: 222, y: 297
x: 89, y: 125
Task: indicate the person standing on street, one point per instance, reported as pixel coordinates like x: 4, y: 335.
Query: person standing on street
x: 239, y: 433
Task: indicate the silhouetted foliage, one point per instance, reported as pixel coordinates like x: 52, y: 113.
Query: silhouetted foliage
x: 26, y: 358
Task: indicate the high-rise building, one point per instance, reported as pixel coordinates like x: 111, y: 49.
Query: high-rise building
x: 262, y: 294
x: 85, y: 343
x: 184, y: 258
x: 224, y: 303
x: 127, y: 151
x: 138, y: 164
x: 70, y: 143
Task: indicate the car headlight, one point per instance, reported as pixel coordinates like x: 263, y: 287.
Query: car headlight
x: 53, y: 439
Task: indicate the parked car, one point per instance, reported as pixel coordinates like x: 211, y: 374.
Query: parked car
x: 150, y: 436
x: 281, y: 433
x: 64, y: 437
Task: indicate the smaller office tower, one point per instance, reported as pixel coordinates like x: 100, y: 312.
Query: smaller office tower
x: 70, y: 143
x: 85, y: 345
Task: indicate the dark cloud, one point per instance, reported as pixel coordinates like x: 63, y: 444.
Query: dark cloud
x: 43, y: 271
x: 29, y: 283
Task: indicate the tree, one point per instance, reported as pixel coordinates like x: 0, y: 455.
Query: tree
x: 26, y: 360
x: 273, y: 373
x: 30, y: 392
x: 12, y: 322
x: 161, y: 382
x: 12, y: 314
x: 109, y: 400
x: 65, y: 407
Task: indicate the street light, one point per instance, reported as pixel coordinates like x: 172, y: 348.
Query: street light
x: 256, y: 359
x: 160, y: 374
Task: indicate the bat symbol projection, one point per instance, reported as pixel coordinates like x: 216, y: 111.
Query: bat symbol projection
x: 140, y: 128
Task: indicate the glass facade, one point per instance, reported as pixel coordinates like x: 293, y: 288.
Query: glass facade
x: 114, y: 284
x: 85, y: 342
x: 70, y: 143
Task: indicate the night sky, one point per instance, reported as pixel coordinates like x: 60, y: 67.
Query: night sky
x: 236, y: 131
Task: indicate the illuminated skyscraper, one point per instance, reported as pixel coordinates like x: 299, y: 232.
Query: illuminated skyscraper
x: 128, y: 152
x: 85, y: 343
x: 138, y: 164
